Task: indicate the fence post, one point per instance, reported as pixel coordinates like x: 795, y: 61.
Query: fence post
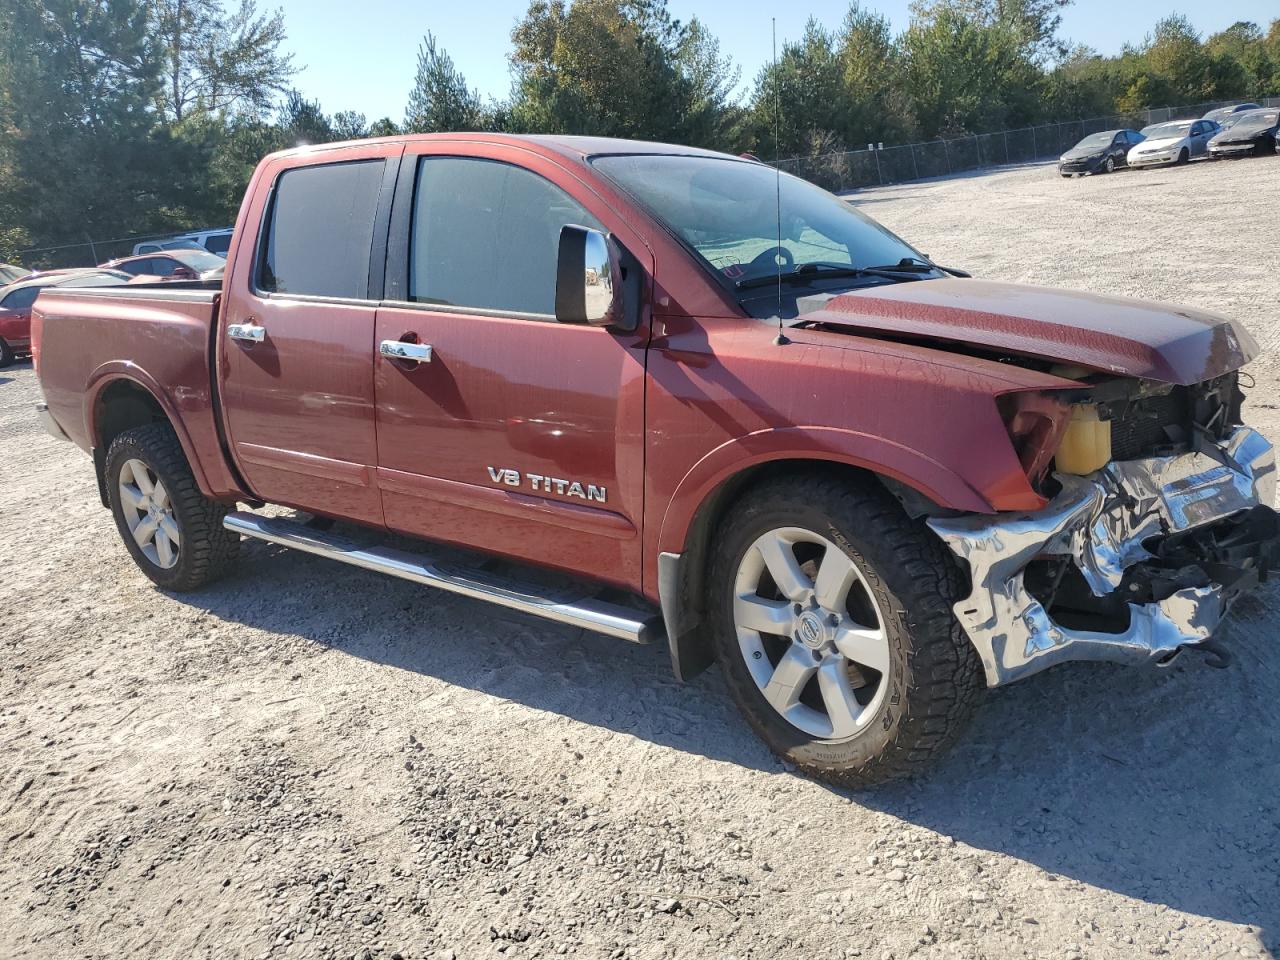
x: 977, y: 148
x: 914, y: 166
x: 947, y: 151
x: 879, y: 176
x: 1006, y: 148
x: 1035, y: 150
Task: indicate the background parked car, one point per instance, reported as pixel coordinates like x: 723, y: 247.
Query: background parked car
x: 10, y: 273
x: 1252, y: 132
x: 1099, y: 152
x: 16, y: 300
x: 215, y: 241
x: 1223, y: 115
x: 1176, y: 141
x: 173, y: 265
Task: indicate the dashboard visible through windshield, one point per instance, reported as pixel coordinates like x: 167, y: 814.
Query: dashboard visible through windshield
x: 726, y: 212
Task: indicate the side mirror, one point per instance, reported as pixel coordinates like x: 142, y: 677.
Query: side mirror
x: 588, y: 278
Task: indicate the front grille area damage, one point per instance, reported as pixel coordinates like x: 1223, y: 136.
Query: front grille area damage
x: 1127, y: 564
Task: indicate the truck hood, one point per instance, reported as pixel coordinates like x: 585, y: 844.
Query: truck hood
x: 1132, y: 338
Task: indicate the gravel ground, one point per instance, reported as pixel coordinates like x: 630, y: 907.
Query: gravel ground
x: 311, y: 761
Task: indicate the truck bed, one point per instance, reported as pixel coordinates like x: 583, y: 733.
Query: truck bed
x: 159, y: 335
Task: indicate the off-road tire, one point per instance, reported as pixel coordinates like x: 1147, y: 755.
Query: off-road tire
x: 935, y: 679
x: 7, y: 356
x: 208, y: 550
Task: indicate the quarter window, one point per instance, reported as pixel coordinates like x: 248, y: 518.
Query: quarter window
x: 486, y: 235
x: 320, y: 230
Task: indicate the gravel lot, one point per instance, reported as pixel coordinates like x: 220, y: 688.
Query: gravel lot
x: 310, y: 761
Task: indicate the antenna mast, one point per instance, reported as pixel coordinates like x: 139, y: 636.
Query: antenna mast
x: 781, y: 338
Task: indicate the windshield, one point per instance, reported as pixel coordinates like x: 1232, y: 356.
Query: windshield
x: 1167, y: 131
x: 1097, y: 140
x: 727, y: 211
x: 198, y: 260
x: 1255, y: 120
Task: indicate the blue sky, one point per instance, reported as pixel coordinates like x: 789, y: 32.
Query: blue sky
x: 362, y: 56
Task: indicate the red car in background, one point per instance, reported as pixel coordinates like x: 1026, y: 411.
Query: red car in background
x: 172, y: 265
x: 16, y: 300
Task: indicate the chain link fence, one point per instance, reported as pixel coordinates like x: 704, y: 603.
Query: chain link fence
x: 855, y: 169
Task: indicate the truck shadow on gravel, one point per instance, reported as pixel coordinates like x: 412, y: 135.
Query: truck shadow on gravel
x: 1161, y: 785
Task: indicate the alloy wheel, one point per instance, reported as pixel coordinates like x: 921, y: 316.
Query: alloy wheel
x: 148, y: 513
x: 811, y: 633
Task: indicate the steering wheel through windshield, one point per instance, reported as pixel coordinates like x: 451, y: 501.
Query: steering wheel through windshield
x: 770, y: 257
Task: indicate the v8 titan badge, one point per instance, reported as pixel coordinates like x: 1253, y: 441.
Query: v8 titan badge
x: 541, y: 484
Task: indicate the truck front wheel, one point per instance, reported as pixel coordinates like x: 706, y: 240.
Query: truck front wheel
x: 173, y: 531
x: 833, y: 625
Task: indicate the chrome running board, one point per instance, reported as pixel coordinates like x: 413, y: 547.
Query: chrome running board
x: 589, y: 613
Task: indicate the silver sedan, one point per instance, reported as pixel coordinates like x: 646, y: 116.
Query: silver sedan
x: 1177, y: 141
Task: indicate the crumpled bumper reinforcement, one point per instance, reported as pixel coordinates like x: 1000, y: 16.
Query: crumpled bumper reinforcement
x: 1105, y: 524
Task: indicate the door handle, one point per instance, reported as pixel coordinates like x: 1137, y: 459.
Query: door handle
x: 248, y: 332
x: 404, y: 350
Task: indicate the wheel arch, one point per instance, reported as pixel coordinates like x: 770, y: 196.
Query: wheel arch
x: 706, y: 494
x: 121, y: 396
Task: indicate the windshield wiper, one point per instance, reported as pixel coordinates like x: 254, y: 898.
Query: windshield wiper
x: 809, y: 272
x: 917, y: 265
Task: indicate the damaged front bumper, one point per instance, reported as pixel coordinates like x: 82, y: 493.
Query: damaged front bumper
x: 1166, y: 542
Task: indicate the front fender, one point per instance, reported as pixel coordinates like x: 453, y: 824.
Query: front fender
x: 940, y: 483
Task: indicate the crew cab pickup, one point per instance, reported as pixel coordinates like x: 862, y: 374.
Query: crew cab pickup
x: 671, y: 395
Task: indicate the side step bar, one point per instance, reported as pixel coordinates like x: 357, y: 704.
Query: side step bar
x: 589, y: 613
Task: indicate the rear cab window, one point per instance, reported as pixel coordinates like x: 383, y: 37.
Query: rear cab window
x: 319, y: 229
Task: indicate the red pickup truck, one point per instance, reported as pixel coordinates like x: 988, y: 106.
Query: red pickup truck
x: 667, y: 394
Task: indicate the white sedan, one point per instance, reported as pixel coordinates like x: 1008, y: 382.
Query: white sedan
x: 1177, y: 141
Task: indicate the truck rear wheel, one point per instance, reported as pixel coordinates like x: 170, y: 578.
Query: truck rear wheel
x: 833, y: 625
x: 173, y: 532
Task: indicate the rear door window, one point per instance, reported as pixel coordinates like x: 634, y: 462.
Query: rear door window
x: 486, y: 235
x: 21, y: 299
x: 138, y: 267
x: 319, y: 230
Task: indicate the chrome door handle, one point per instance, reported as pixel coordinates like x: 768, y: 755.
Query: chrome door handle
x: 403, y: 350
x: 250, y: 333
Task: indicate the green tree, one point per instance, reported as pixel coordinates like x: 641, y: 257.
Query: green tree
x: 1034, y: 23
x: 877, y: 108
x: 1245, y: 43
x: 799, y: 99
x: 215, y: 60
x: 965, y: 76
x: 1184, y: 69
x: 622, y: 68
x: 440, y: 99
x: 84, y: 153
